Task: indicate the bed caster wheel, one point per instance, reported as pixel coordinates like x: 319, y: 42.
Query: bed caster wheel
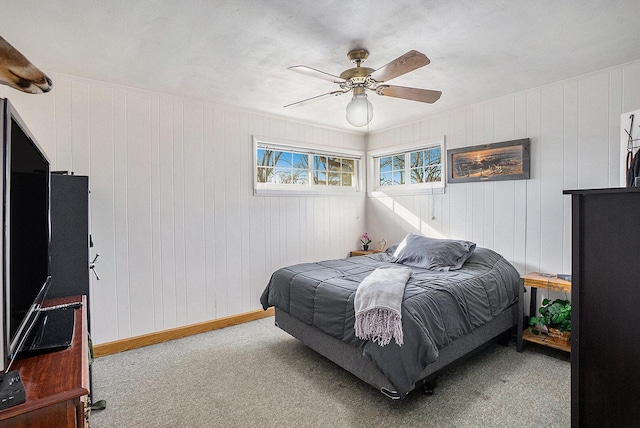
x: 429, y: 386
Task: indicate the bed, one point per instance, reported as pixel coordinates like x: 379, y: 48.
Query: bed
x: 447, y: 313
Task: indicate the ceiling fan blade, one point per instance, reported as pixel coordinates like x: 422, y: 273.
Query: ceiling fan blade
x: 413, y: 94
x: 410, y: 61
x: 317, y: 97
x: 316, y: 73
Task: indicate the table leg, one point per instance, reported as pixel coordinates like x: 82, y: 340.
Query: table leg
x: 520, y: 315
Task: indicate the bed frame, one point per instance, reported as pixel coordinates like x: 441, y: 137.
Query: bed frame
x: 351, y: 359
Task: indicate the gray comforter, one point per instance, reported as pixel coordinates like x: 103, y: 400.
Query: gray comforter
x: 437, y: 307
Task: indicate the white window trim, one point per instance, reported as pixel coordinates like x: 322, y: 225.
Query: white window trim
x: 373, y: 174
x: 270, y: 189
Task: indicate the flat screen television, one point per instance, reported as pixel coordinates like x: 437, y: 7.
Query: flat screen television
x: 26, y: 231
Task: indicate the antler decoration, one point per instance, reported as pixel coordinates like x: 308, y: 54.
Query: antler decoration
x: 17, y: 71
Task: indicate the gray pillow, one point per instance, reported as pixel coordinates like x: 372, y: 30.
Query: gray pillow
x: 391, y: 249
x: 434, y: 254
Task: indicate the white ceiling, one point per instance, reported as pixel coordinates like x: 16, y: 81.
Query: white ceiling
x: 236, y: 53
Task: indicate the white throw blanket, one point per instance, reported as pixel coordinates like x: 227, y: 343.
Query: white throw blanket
x: 378, y: 305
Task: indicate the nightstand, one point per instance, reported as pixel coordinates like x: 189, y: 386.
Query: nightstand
x: 355, y: 253
x: 536, y: 280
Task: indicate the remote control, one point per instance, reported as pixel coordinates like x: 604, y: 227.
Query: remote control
x: 11, y: 390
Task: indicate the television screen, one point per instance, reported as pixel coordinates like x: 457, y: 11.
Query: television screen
x: 28, y: 224
x: 26, y: 227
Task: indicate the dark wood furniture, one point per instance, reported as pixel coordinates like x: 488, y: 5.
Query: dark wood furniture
x: 605, y: 345
x: 536, y: 280
x: 56, y: 384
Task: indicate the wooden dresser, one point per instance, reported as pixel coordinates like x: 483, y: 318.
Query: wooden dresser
x: 56, y: 384
x: 605, y: 302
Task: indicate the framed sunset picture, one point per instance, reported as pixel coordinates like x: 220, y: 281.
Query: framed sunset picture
x: 507, y: 160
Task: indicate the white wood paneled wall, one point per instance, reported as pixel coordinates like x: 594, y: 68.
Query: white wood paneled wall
x: 182, y: 239
x: 574, y: 130
x: 180, y: 235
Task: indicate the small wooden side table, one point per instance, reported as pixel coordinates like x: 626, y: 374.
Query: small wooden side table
x: 355, y: 253
x: 536, y: 280
x: 57, y: 384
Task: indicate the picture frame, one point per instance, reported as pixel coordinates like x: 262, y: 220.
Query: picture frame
x: 506, y: 160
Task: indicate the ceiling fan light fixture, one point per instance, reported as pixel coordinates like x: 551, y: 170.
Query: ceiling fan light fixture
x: 359, y: 110
x: 360, y: 79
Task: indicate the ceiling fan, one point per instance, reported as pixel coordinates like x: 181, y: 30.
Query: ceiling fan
x: 361, y: 79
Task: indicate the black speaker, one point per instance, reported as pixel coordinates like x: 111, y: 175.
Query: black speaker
x: 70, y: 241
x: 70, y: 237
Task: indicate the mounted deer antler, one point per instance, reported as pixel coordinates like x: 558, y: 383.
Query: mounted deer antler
x: 17, y: 72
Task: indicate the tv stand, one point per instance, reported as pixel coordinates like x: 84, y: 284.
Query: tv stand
x: 57, y: 383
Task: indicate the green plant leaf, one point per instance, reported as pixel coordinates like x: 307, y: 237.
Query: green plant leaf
x: 556, y: 314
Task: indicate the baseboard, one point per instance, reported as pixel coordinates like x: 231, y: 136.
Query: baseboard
x: 176, y: 333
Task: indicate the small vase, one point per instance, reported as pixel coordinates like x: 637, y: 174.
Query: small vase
x: 365, y: 247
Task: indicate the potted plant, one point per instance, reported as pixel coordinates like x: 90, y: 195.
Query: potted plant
x: 365, y: 241
x: 555, y: 317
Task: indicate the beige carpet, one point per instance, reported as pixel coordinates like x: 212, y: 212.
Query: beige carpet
x: 255, y: 374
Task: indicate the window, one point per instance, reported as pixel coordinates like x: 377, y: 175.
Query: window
x: 284, y: 167
x: 280, y: 167
x: 426, y: 165
x: 333, y: 171
x: 391, y: 170
x: 415, y: 168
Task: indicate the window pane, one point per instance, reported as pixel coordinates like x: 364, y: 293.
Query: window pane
x: 334, y: 164
x: 282, y: 176
x: 417, y: 159
x: 270, y: 175
x: 432, y: 156
x: 385, y: 164
x: 417, y: 175
x: 300, y: 176
x: 260, y: 157
x: 386, y: 179
x: 265, y: 157
x: 300, y: 161
x: 263, y: 174
x: 346, y: 179
x: 398, y: 162
x: 283, y: 159
x: 433, y: 174
x: 334, y: 179
x: 398, y: 177
x: 320, y: 163
x: 320, y: 178
x: 347, y: 165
